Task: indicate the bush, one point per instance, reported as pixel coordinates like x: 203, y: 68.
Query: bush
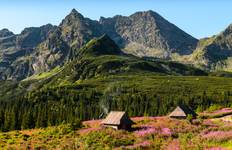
x: 75, y: 124
x: 197, y: 121
x: 107, y: 137
x: 214, y: 107
x: 190, y: 118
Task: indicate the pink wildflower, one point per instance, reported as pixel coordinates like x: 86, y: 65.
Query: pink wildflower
x: 143, y: 144
x: 146, y: 130
x: 209, y: 123
x: 219, y: 112
x: 166, y: 132
x: 218, y: 135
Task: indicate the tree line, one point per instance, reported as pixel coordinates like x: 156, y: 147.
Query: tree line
x: 54, y: 106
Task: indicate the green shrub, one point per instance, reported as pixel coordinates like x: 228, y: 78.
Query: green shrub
x: 214, y: 107
x: 190, y: 118
x: 107, y: 137
x: 75, y: 124
x: 11, y: 141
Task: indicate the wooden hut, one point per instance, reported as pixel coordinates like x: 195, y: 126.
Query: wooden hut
x: 117, y: 120
x: 181, y: 112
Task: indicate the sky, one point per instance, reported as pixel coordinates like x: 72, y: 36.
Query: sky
x: 199, y: 18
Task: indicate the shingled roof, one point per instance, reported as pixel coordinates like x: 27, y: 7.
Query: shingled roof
x: 182, y: 111
x: 117, y: 118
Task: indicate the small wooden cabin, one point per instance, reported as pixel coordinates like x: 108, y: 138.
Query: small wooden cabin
x: 117, y: 120
x: 181, y: 112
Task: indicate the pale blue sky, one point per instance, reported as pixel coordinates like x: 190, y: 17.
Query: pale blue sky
x: 199, y: 18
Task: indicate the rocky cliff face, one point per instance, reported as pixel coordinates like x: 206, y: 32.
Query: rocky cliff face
x: 148, y: 34
x: 60, y: 46
x: 76, y: 30
x: 17, y: 51
x: 37, y: 50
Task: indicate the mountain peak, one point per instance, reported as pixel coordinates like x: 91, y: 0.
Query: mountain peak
x: 148, y: 13
x: 103, y: 45
x: 5, y: 33
x: 228, y: 30
x: 106, y: 38
x: 74, y: 11
x: 73, y: 16
x: 148, y: 30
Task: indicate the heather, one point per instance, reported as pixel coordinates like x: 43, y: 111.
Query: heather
x: 148, y: 133
x: 211, y: 113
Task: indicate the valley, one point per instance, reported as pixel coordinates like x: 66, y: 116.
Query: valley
x: 58, y: 82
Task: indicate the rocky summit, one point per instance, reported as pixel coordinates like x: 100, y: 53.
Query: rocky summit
x: 148, y: 34
x: 5, y: 33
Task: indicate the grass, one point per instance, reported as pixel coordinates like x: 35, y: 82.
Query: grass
x: 48, y: 138
x: 45, y: 74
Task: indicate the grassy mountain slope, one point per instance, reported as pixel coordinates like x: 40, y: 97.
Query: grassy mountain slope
x: 102, y: 57
x: 214, y: 53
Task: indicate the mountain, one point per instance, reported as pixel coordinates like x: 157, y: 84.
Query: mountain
x: 148, y: 34
x: 17, y: 51
x: 101, y: 57
x: 81, y: 69
x: 100, y: 46
x: 77, y: 30
x: 36, y: 50
x: 73, y: 32
x: 100, y: 76
x: 143, y: 34
x: 100, y: 62
x: 214, y: 53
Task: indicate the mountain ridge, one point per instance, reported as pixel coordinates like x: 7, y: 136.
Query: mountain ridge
x: 150, y: 31
x: 143, y: 34
x: 101, y: 57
